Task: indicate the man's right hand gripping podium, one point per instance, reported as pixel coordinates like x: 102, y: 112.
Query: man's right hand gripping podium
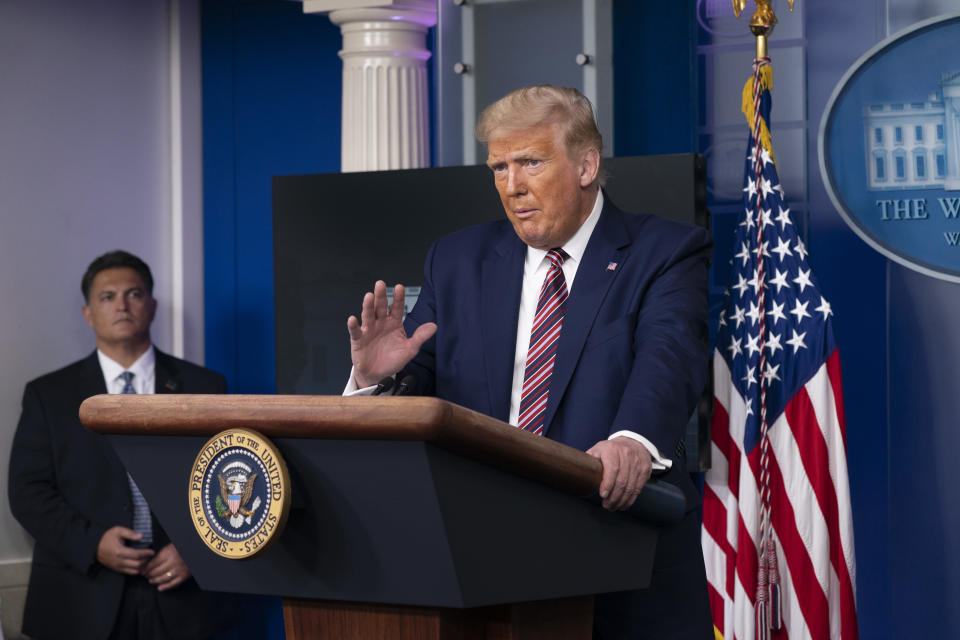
x: 573, y: 320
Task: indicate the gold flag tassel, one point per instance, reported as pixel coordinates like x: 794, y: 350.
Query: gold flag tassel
x: 747, y: 106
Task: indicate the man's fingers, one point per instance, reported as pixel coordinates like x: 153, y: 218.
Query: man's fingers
x: 133, y: 563
x: 158, y: 573
x: 138, y: 562
x: 156, y: 569
x: 629, y: 470
x: 619, y: 483
x: 140, y: 555
x: 380, y: 299
x: 126, y: 565
x: 136, y: 555
x: 175, y: 581
x: 423, y: 333
x: 602, y: 453
x: 127, y: 534
x: 366, y: 310
x: 604, y: 488
x: 353, y: 328
x: 396, y: 309
x: 375, y: 307
x: 151, y: 566
x: 168, y: 570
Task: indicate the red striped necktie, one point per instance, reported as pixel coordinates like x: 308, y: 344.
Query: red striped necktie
x: 544, y: 338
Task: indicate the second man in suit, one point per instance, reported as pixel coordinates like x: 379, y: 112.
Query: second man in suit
x: 102, y: 565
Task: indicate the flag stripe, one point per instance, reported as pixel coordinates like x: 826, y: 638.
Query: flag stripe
x: 716, y: 604
x: 829, y: 466
x: 810, y: 598
x: 833, y: 372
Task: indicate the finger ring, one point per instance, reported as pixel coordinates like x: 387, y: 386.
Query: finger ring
x: 170, y: 575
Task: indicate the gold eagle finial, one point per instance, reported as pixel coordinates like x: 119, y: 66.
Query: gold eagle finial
x: 762, y: 21
x: 763, y: 8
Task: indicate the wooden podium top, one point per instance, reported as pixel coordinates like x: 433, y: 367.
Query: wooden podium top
x: 350, y: 418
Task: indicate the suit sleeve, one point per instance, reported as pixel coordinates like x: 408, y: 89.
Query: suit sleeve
x: 35, y: 499
x: 423, y: 365
x: 670, y: 347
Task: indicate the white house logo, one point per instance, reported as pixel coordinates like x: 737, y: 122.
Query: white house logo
x: 239, y: 493
x: 908, y: 143
x: 890, y: 148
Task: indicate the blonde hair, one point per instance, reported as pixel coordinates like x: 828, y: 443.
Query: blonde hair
x: 540, y: 105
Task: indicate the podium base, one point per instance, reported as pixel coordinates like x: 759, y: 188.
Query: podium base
x: 560, y: 619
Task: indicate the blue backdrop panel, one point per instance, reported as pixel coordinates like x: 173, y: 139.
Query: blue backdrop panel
x: 271, y: 95
x: 924, y: 443
x: 655, y: 83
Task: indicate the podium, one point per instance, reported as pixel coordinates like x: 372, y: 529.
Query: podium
x: 410, y: 518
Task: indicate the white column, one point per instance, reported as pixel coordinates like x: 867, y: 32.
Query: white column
x: 385, y: 108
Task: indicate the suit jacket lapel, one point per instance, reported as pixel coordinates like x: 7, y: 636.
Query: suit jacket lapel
x: 590, y: 286
x: 501, y: 281
x: 166, y: 376
x: 91, y: 377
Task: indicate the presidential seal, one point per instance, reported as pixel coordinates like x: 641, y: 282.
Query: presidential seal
x: 239, y: 493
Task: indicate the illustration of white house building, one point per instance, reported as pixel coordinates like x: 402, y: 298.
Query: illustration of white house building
x: 915, y: 145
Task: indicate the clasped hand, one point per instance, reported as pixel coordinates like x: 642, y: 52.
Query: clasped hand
x: 164, y: 568
x: 379, y: 347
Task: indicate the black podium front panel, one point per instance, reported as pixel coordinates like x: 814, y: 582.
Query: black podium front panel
x: 403, y: 523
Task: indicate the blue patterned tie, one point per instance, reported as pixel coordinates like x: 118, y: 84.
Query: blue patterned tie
x: 141, y: 510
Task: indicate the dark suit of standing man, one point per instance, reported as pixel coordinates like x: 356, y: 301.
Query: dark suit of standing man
x: 631, y: 357
x: 92, y: 576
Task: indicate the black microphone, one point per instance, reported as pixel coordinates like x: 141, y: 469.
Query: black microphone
x: 406, y: 385
x: 384, y: 385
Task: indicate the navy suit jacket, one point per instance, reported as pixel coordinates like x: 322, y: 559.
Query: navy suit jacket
x: 633, y: 351
x: 67, y: 487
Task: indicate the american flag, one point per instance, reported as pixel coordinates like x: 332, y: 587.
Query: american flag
x: 776, y: 365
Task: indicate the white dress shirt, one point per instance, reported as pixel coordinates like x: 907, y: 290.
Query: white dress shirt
x: 144, y: 372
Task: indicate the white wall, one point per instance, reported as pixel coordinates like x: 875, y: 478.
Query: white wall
x: 93, y: 98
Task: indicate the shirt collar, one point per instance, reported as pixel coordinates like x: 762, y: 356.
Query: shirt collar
x: 140, y: 368
x: 577, y: 245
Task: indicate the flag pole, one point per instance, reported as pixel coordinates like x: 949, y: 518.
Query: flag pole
x: 768, y: 597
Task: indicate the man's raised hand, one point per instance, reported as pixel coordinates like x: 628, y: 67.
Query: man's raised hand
x: 379, y: 347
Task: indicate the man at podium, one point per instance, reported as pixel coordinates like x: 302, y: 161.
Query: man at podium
x: 571, y: 319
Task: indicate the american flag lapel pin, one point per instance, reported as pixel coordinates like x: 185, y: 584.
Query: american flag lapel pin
x: 611, y: 266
